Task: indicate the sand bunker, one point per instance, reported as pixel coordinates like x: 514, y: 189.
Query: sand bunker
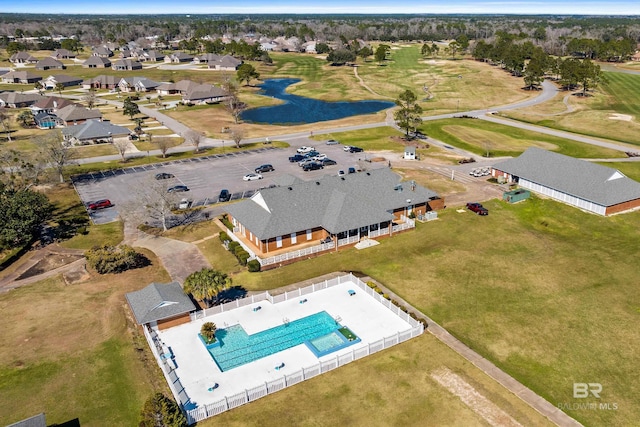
x: 625, y: 117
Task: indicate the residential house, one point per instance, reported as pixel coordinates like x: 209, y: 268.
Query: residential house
x: 101, y: 82
x: 126, y: 65
x: 39, y: 420
x: 585, y: 185
x: 63, y: 54
x: 94, y: 131
x: 137, y: 84
x: 204, y: 93
x: 75, y: 114
x: 22, y: 58
x: 327, y: 213
x: 224, y: 63
x: 102, y: 51
x: 96, y: 62
x: 181, y: 87
x: 160, y: 305
x: 49, y: 63
x: 18, y: 100
x: 50, y: 82
x: 150, y: 55
x: 22, y: 77
x: 178, y: 57
x: 49, y: 104
x: 46, y: 120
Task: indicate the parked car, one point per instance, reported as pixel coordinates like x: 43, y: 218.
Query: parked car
x: 264, y: 168
x: 305, y: 149
x: 224, y: 196
x: 351, y: 170
x: 477, y: 208
x: 328, y: 162
x: 184, y: 204
x: 296, y: 158
x: 100, y: 204
x: 341, y: 173
x: 252, y: 177
x: 320, y: 157
x: 177, y: 189
x: 301, y: 163
x: 312, y: 166
x: 332, y: 142
x: 164, y: 175
x: 354, y: 149
x: 310, y: 154
x: 346, y: 148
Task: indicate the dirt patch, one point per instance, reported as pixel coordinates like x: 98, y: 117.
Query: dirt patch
x: 76, y: 275
x: 623, y: 117
x: 48, y: 263
x: 479, y: 404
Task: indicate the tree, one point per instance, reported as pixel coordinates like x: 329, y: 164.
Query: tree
x: 121, y: 145
x: 114, y: 259
x: 163, y: 144
x: 381, y: 53
x: 38, y: 86
x: 22, y: 213
x: 208, y: 332
x: 365, y: 52
x: 55, y: 150
x: 341, y: 56
x: 130, y: 108
x: 534, y: 73
x: 20, y: 170
x: 5, y: 122
x: 59, y: 88
x: 246, y: 72
x: 160, y: 411
x: 589, y: 75
x: 206, y: 284
x: 322, y: 48
x: 71, y: 44
x: 25, y: 118
x: 237, y: 134
x: 407, y: 117
x: 90, y: 98
x: 232, y: 102
x: 194, y: 138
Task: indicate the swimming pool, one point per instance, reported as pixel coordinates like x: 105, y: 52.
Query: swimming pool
x: 238, y: 348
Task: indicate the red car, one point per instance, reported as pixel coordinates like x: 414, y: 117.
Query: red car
x: 100, y: 204
x: 477, y: 208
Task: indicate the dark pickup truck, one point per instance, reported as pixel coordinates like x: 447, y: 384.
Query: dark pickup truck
x: 477, y: 208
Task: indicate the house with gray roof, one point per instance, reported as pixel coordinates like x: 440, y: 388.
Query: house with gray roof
x: 126, y: 65
x: 95, y: 61
x: 23, y: 58
x: 585, y: 185
x: 63, y: 54
x: 94, y: 131
x: 160, y: 305
x: 101, y: 82
x: 205, y: 93
x: 49, y: 63
x: 178, y: 57
x: 137, y: 84
x: 22, y: 77
x: 224, y: 63
x: 75, y: 114
x: 327, y: 213
x: 66, y: 81
x: 19, y: 100
x: 102, y: 51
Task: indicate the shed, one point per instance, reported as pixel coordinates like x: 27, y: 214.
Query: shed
x: 515, y: 196
x: 410, y: 152
x: 161, y: 305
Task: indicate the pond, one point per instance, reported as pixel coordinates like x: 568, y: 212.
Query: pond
x: 298, y: 110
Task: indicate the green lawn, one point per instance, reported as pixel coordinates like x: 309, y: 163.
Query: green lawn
x: 478, y: 136
x: 543, y: 290
x: 630, y: 169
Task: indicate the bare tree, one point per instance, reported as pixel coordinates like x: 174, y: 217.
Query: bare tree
x: 163, y: 145
x: 5, y: 122
x: 55, y: 150
x: 155, y: 200
x: 20, y: 170
x: 90, y: 98
x: 237, y: 134
x: 121, y: 144
x: 194, y: 138
x: 232, y: 102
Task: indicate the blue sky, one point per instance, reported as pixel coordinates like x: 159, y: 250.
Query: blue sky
x: 602, y: 7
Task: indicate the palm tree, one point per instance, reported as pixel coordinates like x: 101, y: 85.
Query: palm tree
x: 206, y: 284
x: 208, y: 332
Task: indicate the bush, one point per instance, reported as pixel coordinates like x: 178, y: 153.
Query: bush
x: 160, y: 410
x: 224, y: 237
x: 242, y: 256
x: 254, y: 266
x: 226, y: 222
x: 371, y: 285
x: 114, y: 259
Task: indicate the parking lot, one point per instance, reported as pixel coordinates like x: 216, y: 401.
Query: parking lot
x: 207, y: 176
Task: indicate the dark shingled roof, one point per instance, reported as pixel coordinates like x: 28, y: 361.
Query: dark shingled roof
x: 585, y: 180
x: 335, y: 203
x: 159, y: 301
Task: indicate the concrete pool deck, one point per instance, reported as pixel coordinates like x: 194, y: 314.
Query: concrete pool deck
x: 362, y: 313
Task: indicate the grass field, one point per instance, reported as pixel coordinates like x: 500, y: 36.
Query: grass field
x: 479, y: 136
x: 619, y: 93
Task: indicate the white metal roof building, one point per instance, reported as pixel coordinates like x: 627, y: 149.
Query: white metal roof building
x: 588, y: 186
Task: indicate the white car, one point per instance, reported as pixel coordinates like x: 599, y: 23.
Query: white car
x: 346, y: 148
x: 320, y: 157
x: 184, y: 204
x: 252, y: 177
x: 332, y: 142
x: 305, y: 149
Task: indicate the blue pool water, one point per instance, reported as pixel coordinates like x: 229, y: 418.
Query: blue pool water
x: 298, y: 109
x: 237, y: 348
